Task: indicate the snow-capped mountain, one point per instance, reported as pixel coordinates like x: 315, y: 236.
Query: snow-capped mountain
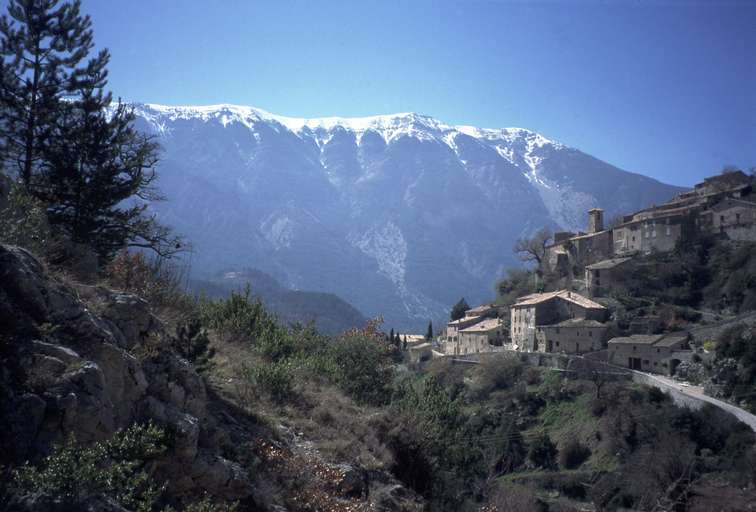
x: 400, y: 214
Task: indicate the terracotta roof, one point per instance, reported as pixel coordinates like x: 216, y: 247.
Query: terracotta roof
x: 607, y: 264
x: 575, y: 298
x: 490, y: 324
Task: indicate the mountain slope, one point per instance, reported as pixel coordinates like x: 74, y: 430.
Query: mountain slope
x: 400, y: 214
x: 330, y: 314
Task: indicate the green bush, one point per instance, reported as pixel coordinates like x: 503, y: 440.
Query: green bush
x: 542, y: 452
x: 272, y: 378
x: 238, y: 317
x: 113, y: 468
x: 23, y: 219
x: 573, y: 454
x: 362, y: 367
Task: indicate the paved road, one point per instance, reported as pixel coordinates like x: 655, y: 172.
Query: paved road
x: 697, y: 393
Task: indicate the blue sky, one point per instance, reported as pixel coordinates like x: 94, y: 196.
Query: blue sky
x: 667, y: 89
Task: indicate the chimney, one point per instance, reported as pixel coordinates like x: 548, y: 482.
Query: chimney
x: 595, y: 220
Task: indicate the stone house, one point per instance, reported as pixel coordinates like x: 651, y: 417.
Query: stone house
x: 480, y: 337
x: 605, y: 275
x: 478, y: 331
x: 575, y: 250
x: 547, y: 309
x: 420, y: 352
x: 733, y: 217
x: 656, y: 353
x: 574, y: 336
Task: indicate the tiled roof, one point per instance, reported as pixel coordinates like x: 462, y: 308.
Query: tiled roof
x: 636, y: 339
x: 490, y: 324
x: 607, y: 264
x: 730, y: 202
x: 464, y: 320
x: 577, y: 322
x: 575, y: 298
x: 479, y: 309
x: 657, y: 340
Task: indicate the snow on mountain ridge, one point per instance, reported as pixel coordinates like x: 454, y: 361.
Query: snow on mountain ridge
x: 389, y: 126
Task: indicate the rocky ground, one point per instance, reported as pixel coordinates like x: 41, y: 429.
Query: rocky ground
x: 87, y: 361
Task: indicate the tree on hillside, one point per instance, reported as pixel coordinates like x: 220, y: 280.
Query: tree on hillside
x: 458, y: 311
x: 429, y: 333
x: 533, y: 249
x: 88, y: 163
x: 43, y: 47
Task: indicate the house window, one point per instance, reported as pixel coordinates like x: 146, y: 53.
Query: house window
x: 658, y: 350
x: 590, y: 333
x: 737, y: 218
x: 633, y: 348
x: 721, y: 218
x: 669, y: 231
x: 557, y: 343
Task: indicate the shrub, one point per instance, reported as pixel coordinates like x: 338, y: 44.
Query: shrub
x: 496, y: 372
x: 158, y: 280
x: 542, y: 452
x: 193, y: 344
x: 573, y: 454
x: 23, y: 219
x: 532, y: 376
x: 361, y: 366
x: 238, y: 317
x: 113, y: 468
x: 275, y: 378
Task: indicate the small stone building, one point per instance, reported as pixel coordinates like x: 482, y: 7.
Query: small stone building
x: 546, y: 309
x: 420, y: 352
x: 575, y: 250
x: 601, y: 277
x: 481, y: 337
x: 733, y: 217
x: 656, y: 353
x: 575, y: 336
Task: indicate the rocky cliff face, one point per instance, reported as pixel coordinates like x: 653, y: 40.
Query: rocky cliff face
x: 400, y: 215
x: 70, y: 370
x: 89, y: 361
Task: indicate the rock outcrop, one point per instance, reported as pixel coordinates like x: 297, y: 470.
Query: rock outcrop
x: 89, y: 361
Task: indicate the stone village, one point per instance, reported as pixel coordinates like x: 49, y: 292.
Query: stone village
x: 573, y: 320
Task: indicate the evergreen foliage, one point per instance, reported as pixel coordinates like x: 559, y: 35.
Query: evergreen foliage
x: 60, y: 135
x: 458, y: 311
x: 113, y: 468
x: 429, y: 332
x: 43, y: 47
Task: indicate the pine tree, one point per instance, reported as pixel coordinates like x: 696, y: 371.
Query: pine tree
x: 43, y: 46
x: 94, y: 170
x: 429, y: 334
x: 391, y: 336
x: 458, y: 311
x: 404, y: 342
